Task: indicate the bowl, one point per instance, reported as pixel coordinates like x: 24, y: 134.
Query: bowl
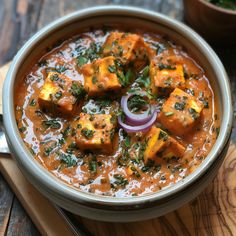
x: 103, y: 207
x: 214, y: 23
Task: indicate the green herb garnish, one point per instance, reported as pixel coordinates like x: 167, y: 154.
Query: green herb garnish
x: 120, y: 180
x: 94, y: 80
x: 53, y: 124
x: 163, y: 136
x: 60, y: 69
x: 127, y: 141
x: 93, y: 166
x: 137, y: 103
x: 143, y: 79
x: 58, y: 94
x: 112, y: 69
x: 22, y: 129
x: 193, y: 113
x: 87, y: 133
x: 81, y: 60
x: 32, y: 102
x: 179, y: 106
x: 68, y: 159
x: 77, y: 90
x: 162, y: 66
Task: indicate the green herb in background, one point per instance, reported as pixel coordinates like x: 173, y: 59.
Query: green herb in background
x: 229, y: 4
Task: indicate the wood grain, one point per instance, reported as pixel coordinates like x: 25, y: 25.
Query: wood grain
x: 40, y: 209
x: 19, y: 223
x: 6, y: 201
x: 212, y: 213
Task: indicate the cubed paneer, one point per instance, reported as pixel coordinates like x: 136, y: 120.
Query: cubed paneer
x: 166, y: 76
x: 180, y: 112
x: 59, y: 94
x: 96, y: 132
x: 160, y: 144
x: 101, y: 77
x: 128, y: 47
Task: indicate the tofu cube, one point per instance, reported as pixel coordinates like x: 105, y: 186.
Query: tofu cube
x: 161, y: 145
x: 95, y: 132
x: 101, y: 77
x: 128, y: 47
x: 180, y: 112
x: 57, y: 94
x: 166, y: 77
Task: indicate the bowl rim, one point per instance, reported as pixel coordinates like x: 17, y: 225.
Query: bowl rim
x: 218, y: 8
x: 56, y: 186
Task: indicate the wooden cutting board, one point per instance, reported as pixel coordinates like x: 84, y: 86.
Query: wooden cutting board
x: 213, y: 212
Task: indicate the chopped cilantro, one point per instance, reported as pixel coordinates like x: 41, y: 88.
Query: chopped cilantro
x: 127, y: 141
x: 53, y: 124
x: 135, y: 172
x: 81, y: 60
x: 58, y: 94
x: 77, y: 90
x: 32, y: 102
x: 60, y: 69
x: 143, y: 79
x: 87, y: 133
x: 163, y: 136
x: 68, y: 159
x: 93, y: 166
x: 94, y: 80
x: 179, y: 106
x: 22, y: 129
x: 54, y: 77
x: 193, y: 113
x: 137, y: 103
x: 120, y: 180
x: 162, y: 66
x: 112, y: 69
x: 48, y: 150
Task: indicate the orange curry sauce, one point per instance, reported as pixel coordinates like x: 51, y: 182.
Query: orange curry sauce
x: 51, y: 127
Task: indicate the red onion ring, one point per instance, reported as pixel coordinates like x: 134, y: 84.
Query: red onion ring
x: 136, y: 119
x: 143, y: 127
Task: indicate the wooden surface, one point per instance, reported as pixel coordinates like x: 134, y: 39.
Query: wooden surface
x: 41, y: 210
x: 212, y: 213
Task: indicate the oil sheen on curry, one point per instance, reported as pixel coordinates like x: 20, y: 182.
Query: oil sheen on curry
x: 117, y: 112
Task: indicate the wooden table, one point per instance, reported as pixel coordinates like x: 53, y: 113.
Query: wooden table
x: 18, y: 21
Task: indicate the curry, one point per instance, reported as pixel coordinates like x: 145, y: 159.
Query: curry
x: 117, y: 112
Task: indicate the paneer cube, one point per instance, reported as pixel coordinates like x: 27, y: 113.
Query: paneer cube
x: 96, y: 132
x: 180, y: 112
x: 160, y: 144
x: 101, y: 77
x: 166, y: 76
x: 128, y: 47
x: 59, y: 94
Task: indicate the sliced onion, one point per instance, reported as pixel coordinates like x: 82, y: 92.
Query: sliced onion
x: 136, y: 118
x: 137, y: 128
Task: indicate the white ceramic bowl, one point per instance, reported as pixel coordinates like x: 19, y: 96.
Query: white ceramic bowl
x: 102, y: 207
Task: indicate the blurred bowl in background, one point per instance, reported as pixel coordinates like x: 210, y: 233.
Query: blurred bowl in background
x: 214, y: 23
